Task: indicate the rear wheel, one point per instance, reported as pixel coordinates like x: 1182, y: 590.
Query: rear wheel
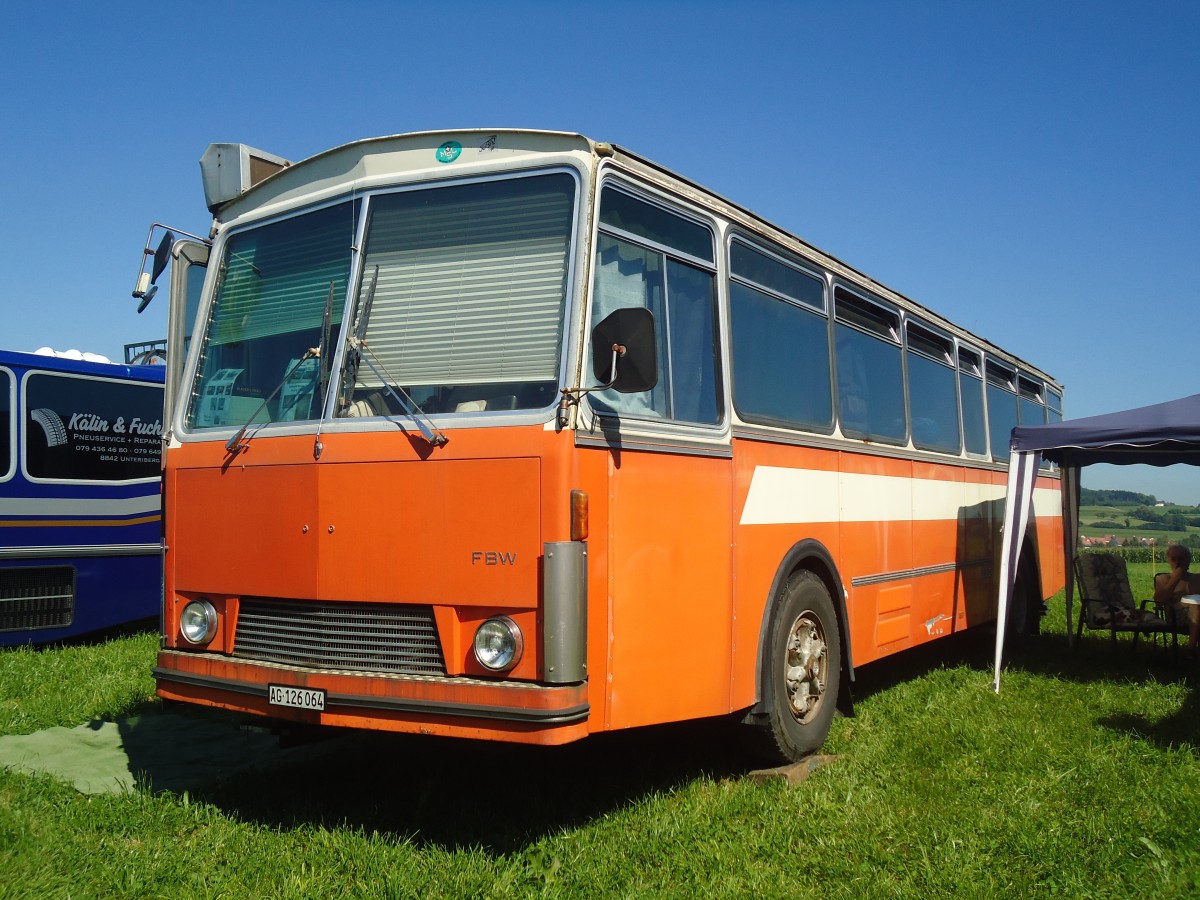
x: 804, y: 666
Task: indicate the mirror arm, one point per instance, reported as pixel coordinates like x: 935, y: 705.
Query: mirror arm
x: 143, y: 288
x: 572, y: 396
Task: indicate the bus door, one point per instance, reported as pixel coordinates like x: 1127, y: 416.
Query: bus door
x: 668, y: 566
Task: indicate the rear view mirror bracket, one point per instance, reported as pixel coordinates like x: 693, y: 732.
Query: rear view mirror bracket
x: 145, y: 287
x: 624, y: 357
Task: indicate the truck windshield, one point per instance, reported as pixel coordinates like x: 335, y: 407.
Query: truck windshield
x: 469, y: 289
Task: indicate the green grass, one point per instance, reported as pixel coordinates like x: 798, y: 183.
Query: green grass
x: 1080, y: 779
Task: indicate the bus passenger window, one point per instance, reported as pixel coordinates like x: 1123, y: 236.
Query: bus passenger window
x: 1053, y: 406
x: 970, y: 388
x: 1001, y: 408
x: 681, y: 295
x: 6, y: 425
x: 932, y: 394
x: 869, y: 371
x: 630, y: 276
x: 780, y: 338
x: 1030, y: 407
x: 693, y: 343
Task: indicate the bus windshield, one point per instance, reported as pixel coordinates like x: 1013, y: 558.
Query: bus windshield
x: 467, y: 287
x: 272, y: 288
x: 467, y: 290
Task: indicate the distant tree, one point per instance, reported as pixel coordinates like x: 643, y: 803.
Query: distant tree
x: 1090, y: 497
x: 1146, y: 514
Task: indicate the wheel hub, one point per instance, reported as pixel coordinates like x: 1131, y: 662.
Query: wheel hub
x: 806, y: 661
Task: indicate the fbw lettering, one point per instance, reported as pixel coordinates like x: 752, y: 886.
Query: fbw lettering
x: 493, y: 558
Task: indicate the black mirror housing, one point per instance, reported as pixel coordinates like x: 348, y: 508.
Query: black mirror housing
x: 162, y: 256
x: 632, y: 332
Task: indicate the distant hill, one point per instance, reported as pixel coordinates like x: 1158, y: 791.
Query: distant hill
x: 1089, y: 497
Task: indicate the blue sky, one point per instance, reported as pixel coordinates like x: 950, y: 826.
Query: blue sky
x: 1029, y: 170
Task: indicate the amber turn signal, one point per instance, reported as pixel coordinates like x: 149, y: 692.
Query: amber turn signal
x: 579, y: 515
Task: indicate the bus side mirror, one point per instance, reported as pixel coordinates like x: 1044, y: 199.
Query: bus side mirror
x: 145, y: 289
x: 624, y: 351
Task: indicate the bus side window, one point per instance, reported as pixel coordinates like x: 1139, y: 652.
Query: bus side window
x: 780, y: 339
x: 693, y: 343
x: 630, y: 276
x: 681, y: 295
x: 1001, y: 407
x: 932, y: 392
x: 970, y: 388
x: 870, y: 376
x: 6, y: 425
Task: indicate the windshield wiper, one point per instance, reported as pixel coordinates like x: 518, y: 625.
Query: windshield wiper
x: 323, y: 369
x: 239, y: 441
x: 360, y: 349
x: 358, y: 337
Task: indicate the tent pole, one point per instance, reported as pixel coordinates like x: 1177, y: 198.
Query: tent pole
x: 1070, y: 520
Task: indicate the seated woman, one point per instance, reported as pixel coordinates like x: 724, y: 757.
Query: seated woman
x: 1171, y: 587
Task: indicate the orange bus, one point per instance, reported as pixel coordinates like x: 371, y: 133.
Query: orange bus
x: 518, y: 436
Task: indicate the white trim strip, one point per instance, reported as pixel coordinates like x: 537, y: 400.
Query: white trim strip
x: 80, y: 550
x: 78, y: 506
x: 783, y: 496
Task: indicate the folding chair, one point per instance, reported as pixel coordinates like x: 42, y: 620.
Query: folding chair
x: 1106, y: 600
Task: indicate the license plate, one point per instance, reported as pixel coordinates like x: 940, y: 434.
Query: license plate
x: 300, y: 698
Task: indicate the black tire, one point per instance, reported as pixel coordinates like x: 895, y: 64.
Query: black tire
x: 803, y: 656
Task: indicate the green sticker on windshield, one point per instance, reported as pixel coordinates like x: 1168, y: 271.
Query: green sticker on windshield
x: 449, y: 152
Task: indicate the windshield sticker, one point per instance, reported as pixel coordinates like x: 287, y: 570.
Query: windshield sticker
x: 449, y: 152
x: 214, y: 404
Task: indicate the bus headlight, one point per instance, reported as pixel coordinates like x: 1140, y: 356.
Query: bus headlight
x: 198, y: 622
x: 498, y: 644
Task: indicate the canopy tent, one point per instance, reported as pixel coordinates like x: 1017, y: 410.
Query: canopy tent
x: 1160, y: 435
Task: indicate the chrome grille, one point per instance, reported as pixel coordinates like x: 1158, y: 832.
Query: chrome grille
x: 360, y: 637
x: 42, y: 597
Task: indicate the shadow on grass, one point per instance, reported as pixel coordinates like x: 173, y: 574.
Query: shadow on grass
x: 1180, y: 729
x: 502, y: 798
x: 973, y: 649
x: 1096, y: 658
x: 462, y: 794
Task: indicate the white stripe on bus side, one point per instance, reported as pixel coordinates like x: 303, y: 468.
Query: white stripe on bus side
x: 780, y: 496
x: 79, y: 506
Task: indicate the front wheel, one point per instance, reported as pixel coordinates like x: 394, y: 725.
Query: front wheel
x: 804, y: 668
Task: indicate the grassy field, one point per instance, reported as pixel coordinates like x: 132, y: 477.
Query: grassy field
x: 1080, y: 779
x: 1089, y: 516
